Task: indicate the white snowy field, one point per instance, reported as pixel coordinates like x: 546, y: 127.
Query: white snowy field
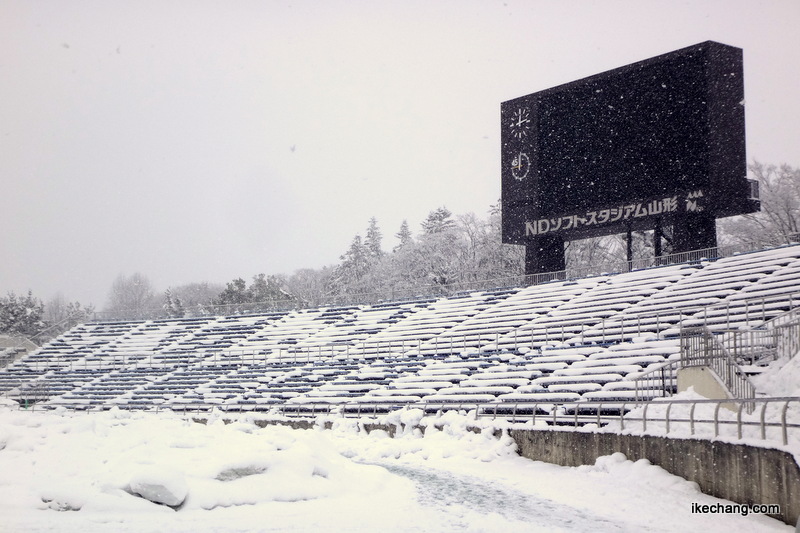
x: 82, y: 472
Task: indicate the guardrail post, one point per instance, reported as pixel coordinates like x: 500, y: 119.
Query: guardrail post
x: 644, y: 417
x: 739, y: 420
x: 669, y: 407
x: 783, y: 423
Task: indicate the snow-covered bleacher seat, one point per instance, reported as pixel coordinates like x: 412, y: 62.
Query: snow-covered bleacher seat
x: 508, y: 349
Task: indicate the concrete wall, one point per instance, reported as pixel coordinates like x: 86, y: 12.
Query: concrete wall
x: 737, y: 472
x: 705, y: 382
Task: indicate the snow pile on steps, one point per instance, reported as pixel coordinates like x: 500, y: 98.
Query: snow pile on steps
x: 781, y: 378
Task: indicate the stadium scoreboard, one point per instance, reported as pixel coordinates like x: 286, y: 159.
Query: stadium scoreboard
x: 656, y: 142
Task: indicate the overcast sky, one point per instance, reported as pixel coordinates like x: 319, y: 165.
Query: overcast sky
x: 204, y: 141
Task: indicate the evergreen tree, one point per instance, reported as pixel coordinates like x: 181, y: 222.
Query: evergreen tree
x: 267, y: 292
x: 404, y: 236
x: 349, y: 275
x: 438, y: 221
x: 355, y: 262
x: 263, y: 294
x: 372, y: 242
x: 197, y: 298
x: 173, y: 307
x: 21, y: 315
x: 234, y: 295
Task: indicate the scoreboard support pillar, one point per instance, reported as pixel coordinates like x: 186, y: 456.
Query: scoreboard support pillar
x: 694, y: 231
x: 658, y: 234
x: 545, y: 254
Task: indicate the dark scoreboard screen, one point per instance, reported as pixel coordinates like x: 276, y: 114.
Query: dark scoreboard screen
x: 622, y: 148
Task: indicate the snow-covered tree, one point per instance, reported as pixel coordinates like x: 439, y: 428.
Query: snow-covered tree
x: 438, y: 220
x: 60, y: 315
x: 349, y: 275
x: 403, y: 235
x: 264, y: 293
x: 132, y: 297
x: 598, y: 250
x: 310, y: 287
x: 372, y: 241
x: 778, y: 222
x: 173, y: 307
x: 21, y: 315
x: 268, y: 292
x: 197, y: 298
x: 235, y: 293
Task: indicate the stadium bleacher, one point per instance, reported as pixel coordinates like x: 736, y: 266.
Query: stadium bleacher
x: 561, y: 341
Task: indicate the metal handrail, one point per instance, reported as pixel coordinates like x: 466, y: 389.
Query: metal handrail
x: 561, y: 415
x: 788, y: 327
x: 777, y: 337
x: 664, y: 372
x: 699, y: 347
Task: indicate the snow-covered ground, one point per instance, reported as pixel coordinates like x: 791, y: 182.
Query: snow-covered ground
x: 87, y: 472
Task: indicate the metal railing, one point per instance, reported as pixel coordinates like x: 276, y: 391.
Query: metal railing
x: 788, y: 327
x: 700, y: 347
x: 778, y: 337
x: 13, y: 347
x: 752, y: 418
x: 579, y: 414
x: 750, y: 346
x: 663, y: 376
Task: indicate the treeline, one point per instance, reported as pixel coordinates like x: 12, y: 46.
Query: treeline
x: 445, y: 251
x: 28, y: 316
